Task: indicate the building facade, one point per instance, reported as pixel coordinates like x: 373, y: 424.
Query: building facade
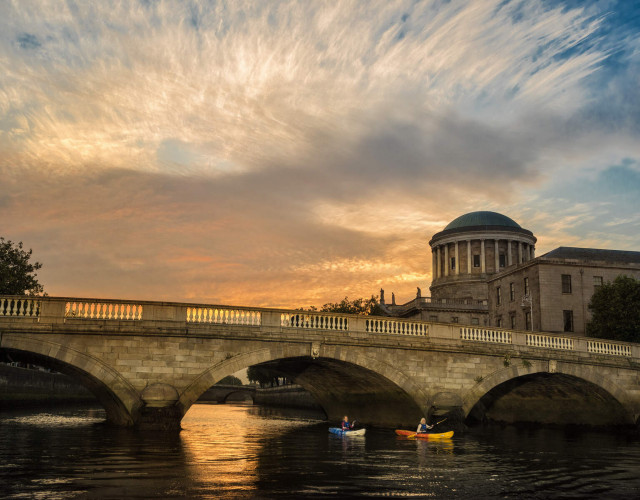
x: 552, y: 293
x: 485, y: 272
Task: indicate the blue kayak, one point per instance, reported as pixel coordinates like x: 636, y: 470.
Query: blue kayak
x: 340, y: 432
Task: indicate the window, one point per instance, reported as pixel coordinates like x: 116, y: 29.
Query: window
x: 503, y: 260
x: 433, y: 318
x: 512, y: 292
x: 475, y: 321
x: 567, y: 317
x: 499, y: 321
x: 526, y: 286
x: 454, y: 319
x: 476, y: 261
x: 527, y: 320
x: 513, y: 321
x: 453, y: 262
x: 498, y: 295
x: 597, y: 282
x: 566, y: 283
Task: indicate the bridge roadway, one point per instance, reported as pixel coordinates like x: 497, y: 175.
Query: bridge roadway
x: 148, y: 362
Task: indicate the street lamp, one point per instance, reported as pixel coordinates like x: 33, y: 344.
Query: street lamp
x: 527, y: 302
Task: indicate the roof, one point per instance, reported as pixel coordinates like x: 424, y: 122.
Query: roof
x: 482, y: 218
x: 593, y: 254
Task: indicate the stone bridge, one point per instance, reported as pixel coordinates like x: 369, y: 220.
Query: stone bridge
x: 148, y: 362
x: 221, y: 392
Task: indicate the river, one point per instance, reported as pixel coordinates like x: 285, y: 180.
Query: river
x: 243, y: 451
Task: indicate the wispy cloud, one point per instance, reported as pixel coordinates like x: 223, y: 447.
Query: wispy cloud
x: 286, y: 152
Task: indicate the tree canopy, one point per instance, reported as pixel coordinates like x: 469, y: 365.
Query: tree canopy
x: 17, y: 273
x: 615, y: 308
x: 367, y: 307
x: 229, y: 380
x: 265, y: 376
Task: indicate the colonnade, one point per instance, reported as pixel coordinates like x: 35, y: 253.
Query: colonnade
x: 441, y: 255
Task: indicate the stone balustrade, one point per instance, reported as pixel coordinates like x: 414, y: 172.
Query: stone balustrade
x: 550, y: 341
x: 486, y: 335
x: 25, y: 307
x: 314, y: 321
x: 222, y: 316
x: 396, y: 327
x: 89, y: 309
x: 600, y: 347
x: 60, y: 310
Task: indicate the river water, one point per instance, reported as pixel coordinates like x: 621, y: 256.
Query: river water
x: 242, y: 451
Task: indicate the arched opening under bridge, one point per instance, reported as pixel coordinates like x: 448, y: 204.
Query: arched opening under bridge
x: 549, y: 399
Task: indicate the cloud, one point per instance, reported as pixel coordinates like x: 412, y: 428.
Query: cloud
x: 286, y: 153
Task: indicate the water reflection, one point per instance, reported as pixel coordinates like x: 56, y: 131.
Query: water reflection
x: 237, y: 451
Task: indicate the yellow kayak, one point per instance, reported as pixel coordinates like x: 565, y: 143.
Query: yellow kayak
x: 425, y: 435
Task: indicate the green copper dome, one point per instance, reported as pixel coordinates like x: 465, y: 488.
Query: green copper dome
x: 482, y: 219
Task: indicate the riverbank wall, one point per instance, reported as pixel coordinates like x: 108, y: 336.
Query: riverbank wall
x: 286, y: 396
x: 24, y: 387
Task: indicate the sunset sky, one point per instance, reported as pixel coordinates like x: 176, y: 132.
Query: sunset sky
x: 287, y: 154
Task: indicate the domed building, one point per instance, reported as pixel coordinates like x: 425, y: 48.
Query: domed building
x: 473, y: 247
x: 485, y: 272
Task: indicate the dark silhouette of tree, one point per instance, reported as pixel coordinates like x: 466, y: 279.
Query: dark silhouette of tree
x: 17, y: 274
x: 265, y: 376
x: 615, y: 308
x: 230, y: 380
x: 366, y: 307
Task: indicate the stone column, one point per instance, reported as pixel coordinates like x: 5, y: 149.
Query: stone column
x: 496, y: 256
x: 528, y: 251
x: 509, y: 259
x: 433, y: 263
x: 439, y: 259
x: 457, y: 256
x: 468, y: 256
x: 519, y: 252
x: 483, y: 266
x: 533, y: 252
x: 446, y: 260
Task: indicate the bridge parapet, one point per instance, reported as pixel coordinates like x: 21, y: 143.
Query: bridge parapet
x: 62, y: 310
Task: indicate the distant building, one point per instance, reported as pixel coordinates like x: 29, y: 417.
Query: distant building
x: 485, y: 273
x: 552, y: 293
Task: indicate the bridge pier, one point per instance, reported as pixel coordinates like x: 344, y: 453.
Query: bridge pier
x: 159, y: 419
x: 160, y: 411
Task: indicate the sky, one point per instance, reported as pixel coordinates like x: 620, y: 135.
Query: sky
x: 292, y: 153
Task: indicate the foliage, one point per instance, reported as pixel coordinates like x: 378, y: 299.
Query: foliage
x: 230, y: 380
x: 264, y: 376
x: 17, y: 274
x: 615, y: 308
x: 367, y: 307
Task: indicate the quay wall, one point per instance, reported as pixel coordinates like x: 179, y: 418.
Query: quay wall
x: 286, y: 396
x: 20, y: 386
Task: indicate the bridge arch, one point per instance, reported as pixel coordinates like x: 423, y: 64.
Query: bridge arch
x: 119, y: 398
x: 341, y: 381
x: 607, y: 390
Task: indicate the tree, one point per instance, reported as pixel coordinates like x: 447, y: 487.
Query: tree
x: 367, y: 307
x: 262, y: 375
x: 615, y: 308
x: 229, y: 380
x: 17, y: 274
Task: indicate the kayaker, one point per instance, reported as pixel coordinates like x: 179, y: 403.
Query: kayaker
x: 346, y: 425
x: 422, y: 427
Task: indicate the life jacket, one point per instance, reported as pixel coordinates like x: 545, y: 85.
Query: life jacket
x: 423, y: 428
x: 346, y: 426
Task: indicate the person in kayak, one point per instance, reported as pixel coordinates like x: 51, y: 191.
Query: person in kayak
x: 346, y: 425
x: 422, y: 427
